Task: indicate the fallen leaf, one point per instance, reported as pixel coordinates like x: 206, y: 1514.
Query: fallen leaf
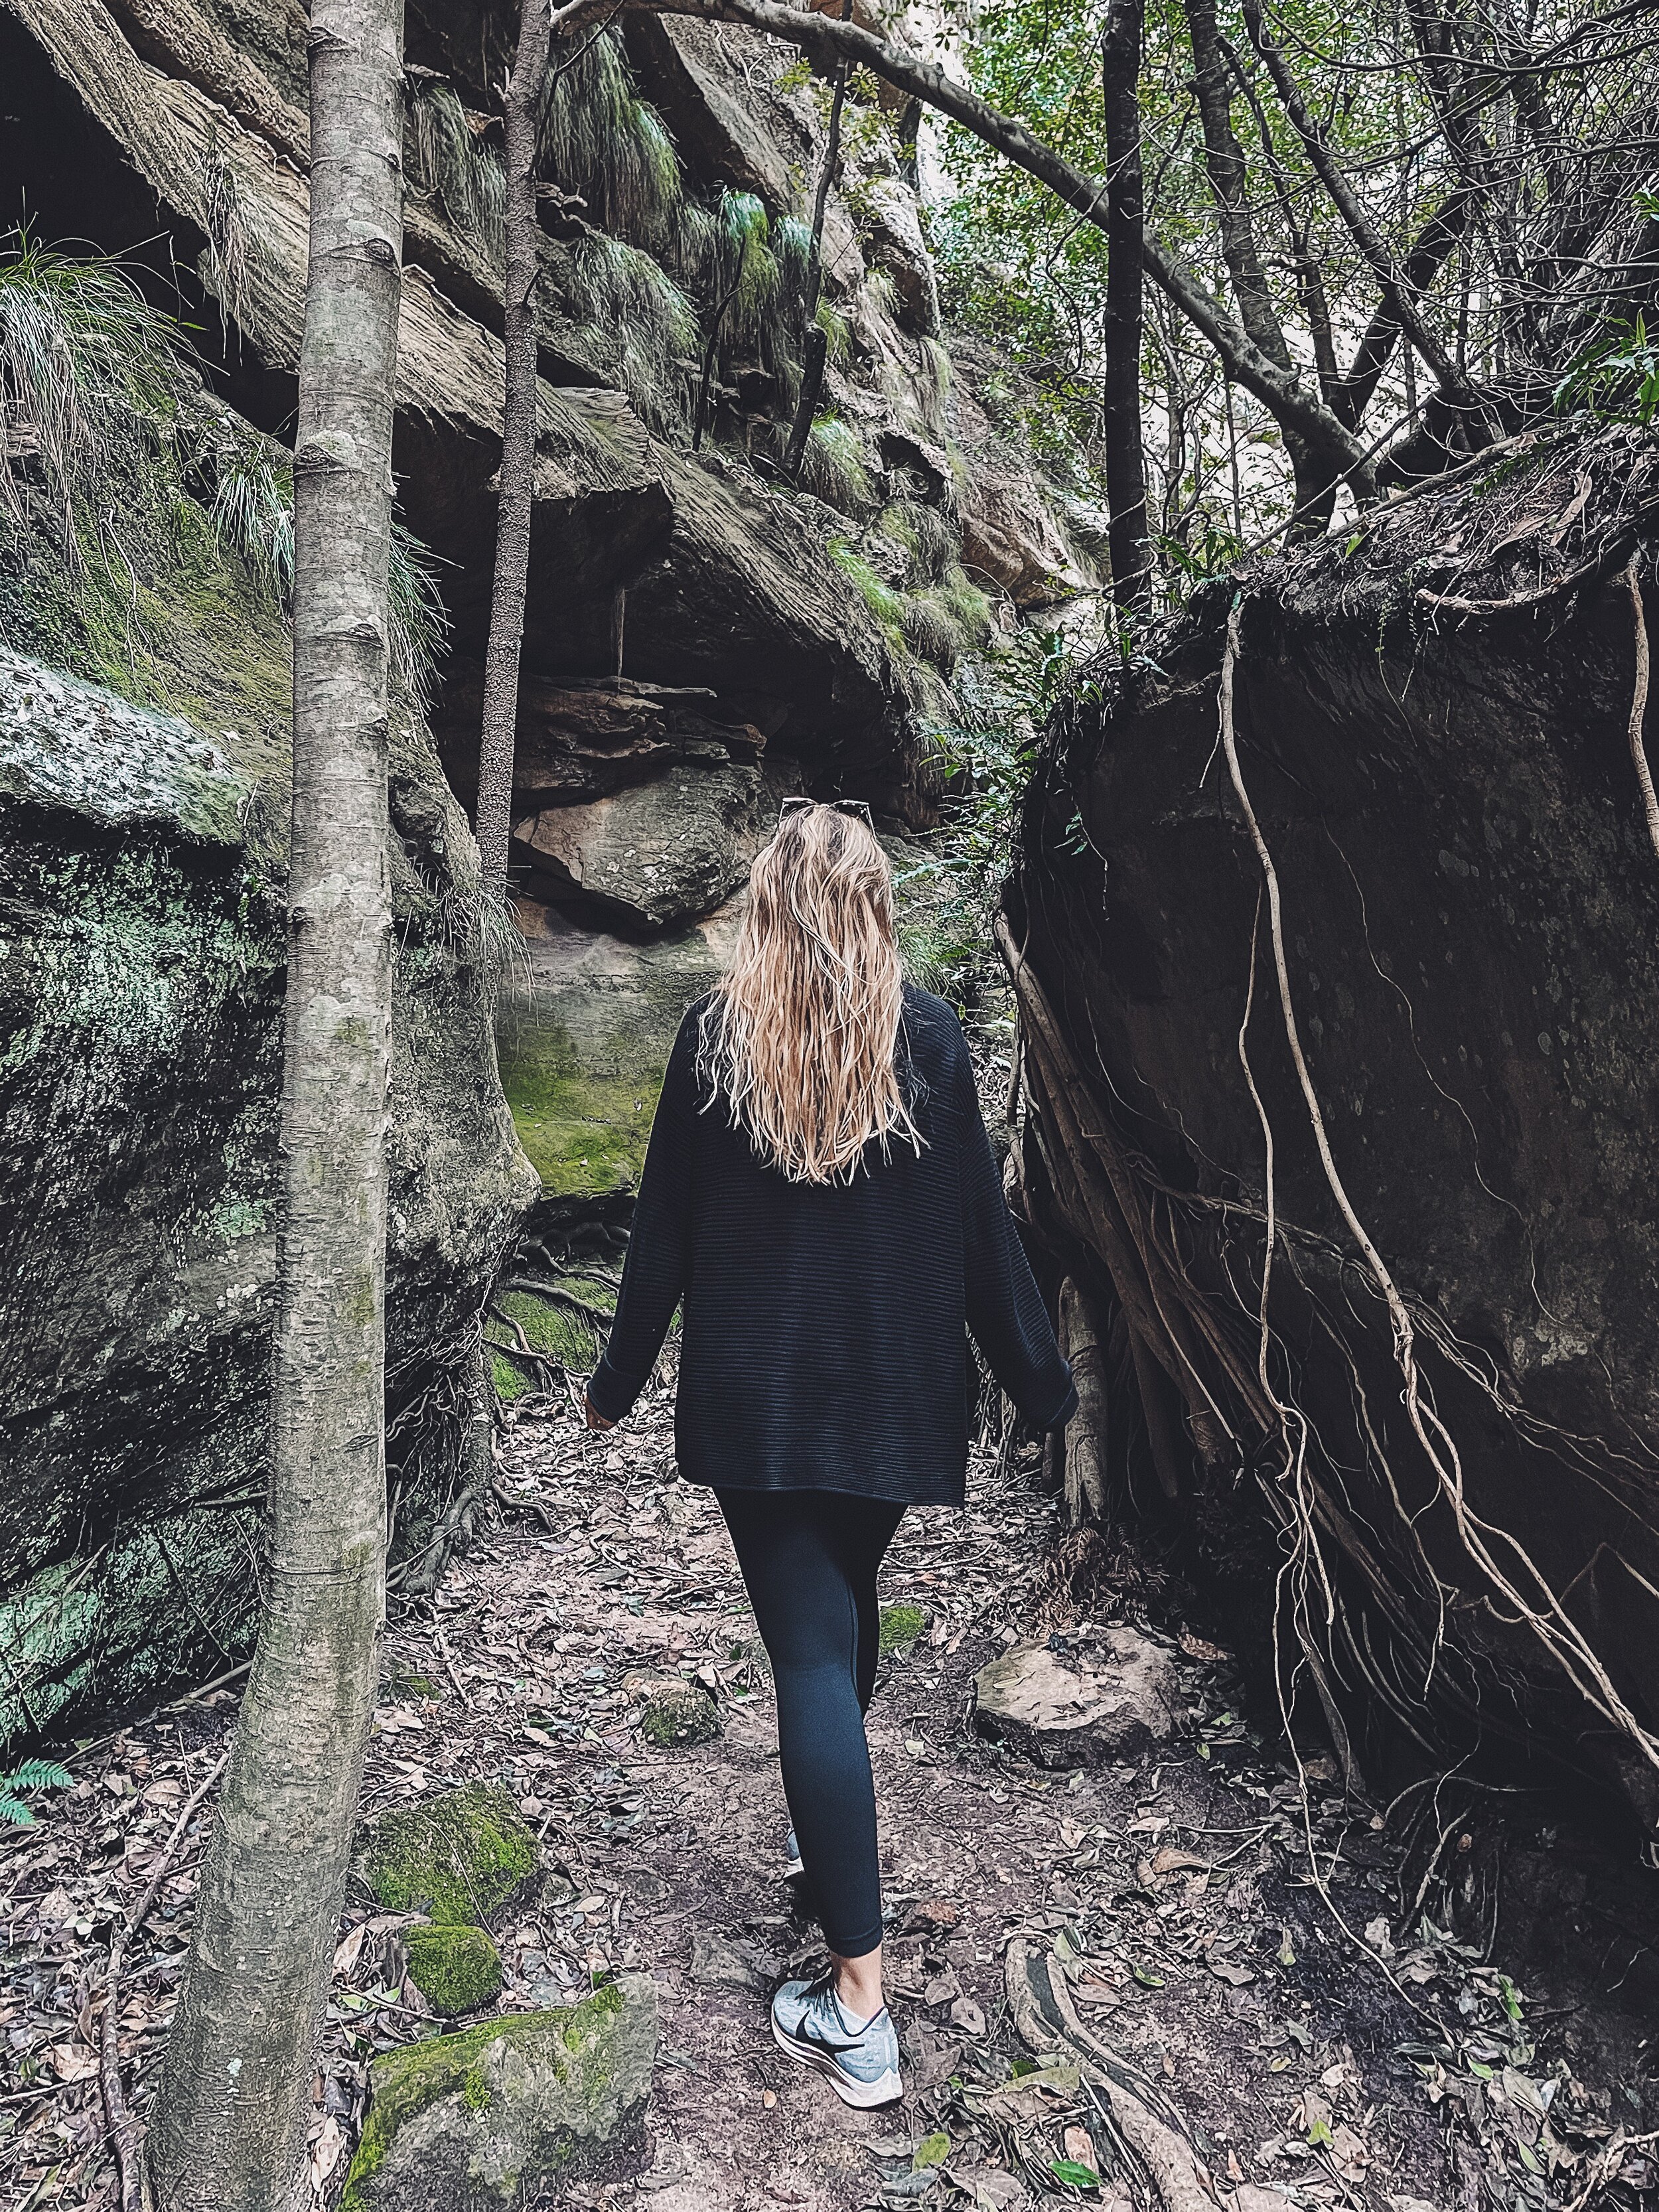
x: 1171, y: 1861
x: 1079, y: 2147
x: 967, y: 2015
x: 346, y: 1952
x: 73, y: 2062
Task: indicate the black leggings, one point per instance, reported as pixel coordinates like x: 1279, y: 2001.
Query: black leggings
x: 809, y: 1560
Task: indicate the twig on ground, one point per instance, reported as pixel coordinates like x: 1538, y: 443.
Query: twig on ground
x: 123, y: 2126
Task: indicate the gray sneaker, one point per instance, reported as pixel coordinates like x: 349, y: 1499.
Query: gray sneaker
x: 792, y: 1865
x: 862, y: 2063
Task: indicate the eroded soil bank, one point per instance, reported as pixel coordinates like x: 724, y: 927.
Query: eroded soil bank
x: 1505, y: 2063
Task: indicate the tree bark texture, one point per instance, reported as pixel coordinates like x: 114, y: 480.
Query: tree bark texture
x: 1126, y: 462
x: 517, y: 480
x: 1084, y: 1341
x: 230, y: 2126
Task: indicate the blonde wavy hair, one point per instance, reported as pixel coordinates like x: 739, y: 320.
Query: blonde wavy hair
x: 800, y: 1036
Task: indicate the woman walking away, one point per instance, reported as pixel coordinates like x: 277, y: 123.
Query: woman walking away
x: 819, y: 1192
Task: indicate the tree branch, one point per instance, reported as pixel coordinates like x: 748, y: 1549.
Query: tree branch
x: 827, y: 42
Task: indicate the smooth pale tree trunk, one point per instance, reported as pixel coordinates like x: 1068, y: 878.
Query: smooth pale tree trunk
x: 229, y: 2129
x: 1126, y: 461
x: 516, y: 495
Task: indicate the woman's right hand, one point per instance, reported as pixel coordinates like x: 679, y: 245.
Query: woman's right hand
x: 595, y: 1418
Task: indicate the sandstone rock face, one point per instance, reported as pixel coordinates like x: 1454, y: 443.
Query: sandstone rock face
x: 478, y: 2122
x: 141, y: 969
x: 1108, y: 1699
x: 654, y: 855
x: 584, y: 1032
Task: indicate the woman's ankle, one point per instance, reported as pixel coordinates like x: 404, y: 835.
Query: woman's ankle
x: 858, y: 1983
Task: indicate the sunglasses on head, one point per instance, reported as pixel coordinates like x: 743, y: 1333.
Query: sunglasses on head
x: 855, y: 807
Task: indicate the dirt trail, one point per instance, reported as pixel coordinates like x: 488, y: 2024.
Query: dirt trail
x: 1176, y: 1891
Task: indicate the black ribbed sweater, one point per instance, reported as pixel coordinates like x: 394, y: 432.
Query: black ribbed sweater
x: 823, y: 1342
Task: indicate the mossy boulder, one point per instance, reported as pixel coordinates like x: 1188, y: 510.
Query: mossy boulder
x: 902, y: 1627
x: 458, y: 1858
x: 676, y: 1714
x: 478, y: 2122
x: 455, y: 1969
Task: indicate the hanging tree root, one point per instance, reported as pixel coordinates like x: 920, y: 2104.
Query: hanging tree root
x: 123, y: 2125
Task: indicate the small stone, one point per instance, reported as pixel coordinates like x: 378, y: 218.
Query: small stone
x: 677, y: 1713
x: 1111, y: 1699
x: 903, y: 1626
x: 720, y: 1963
x: 459, y: 1858
x: 479, y: 2121
x: 455, y: 1969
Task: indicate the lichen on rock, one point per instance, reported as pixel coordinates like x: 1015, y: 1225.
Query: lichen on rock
x: 474, y: 2122
x: 458, y: 1858
x: 456, y: 1969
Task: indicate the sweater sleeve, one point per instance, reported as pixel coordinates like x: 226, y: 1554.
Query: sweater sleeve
x: 1005, y: 1307
x: 659, y: 1262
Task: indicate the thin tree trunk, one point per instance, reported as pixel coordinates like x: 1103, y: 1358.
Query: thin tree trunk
x: 229, y: 2130
x: 1126, y: 461
x: 817, y: 342
x: 515, y: 499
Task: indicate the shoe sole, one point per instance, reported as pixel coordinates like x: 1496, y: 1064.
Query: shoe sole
x: 794, y: 1867
x: 862, y: 2095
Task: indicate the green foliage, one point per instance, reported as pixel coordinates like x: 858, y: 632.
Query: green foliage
x: 447, y: 159
x: 832, y: 468
x: 249, y: 480
x: 91, y: 376
x: 886, y: 604
x: 1615, y: 376
x: 744, y: 271
x: 646, y: 324
x: 838, y: 336
x: 32, y: 1775
x: 600, y: 139
x: 902, y: 1625
x: 987, y: 747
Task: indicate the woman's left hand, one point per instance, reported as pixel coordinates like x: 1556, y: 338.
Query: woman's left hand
x: 595, y: 1418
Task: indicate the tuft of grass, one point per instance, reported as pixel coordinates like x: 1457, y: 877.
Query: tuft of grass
x: 91, y: 376
x: 930, y: 631
x: 886, y: 604
x: 600, y: 139
x: 931, y: 545
x: 933, y: 385
x: 742, y: 268
x: 837, y: 333
x: 249, y: 481
x: 447, y: 160
x: 833, y: 468
x: 646, y: 324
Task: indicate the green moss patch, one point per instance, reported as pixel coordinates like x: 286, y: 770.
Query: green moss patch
x: 903, y: 1626
x: 458, y: 1858
x: 582, y: 1131
x: 456, y: 1970
x: 505, y: 2106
